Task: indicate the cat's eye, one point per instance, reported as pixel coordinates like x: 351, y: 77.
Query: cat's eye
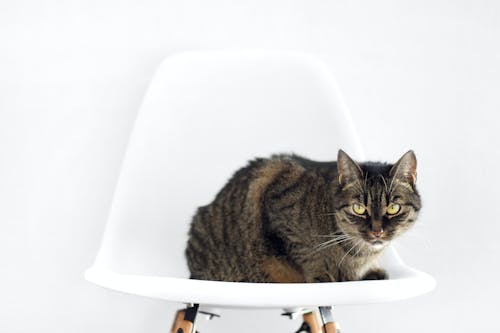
x: 358, y: 209
x: 393, y: 209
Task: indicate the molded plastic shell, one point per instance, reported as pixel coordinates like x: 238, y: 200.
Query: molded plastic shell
x: 204, y: 116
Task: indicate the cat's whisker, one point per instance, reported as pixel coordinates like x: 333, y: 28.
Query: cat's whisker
x: 333, y: 240
x: 362, y: 245
x: 332, y: 235
x: 325, y: 246
x: 344, y: 240
x: 345, y: 255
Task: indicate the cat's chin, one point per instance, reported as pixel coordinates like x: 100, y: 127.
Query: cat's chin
x: 378, y: 245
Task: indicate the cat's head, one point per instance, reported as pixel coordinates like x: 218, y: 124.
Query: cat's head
x: 377, y: 201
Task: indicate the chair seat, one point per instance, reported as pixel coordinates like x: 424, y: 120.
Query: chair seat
x: 204, y: 116
x: 405, y: 282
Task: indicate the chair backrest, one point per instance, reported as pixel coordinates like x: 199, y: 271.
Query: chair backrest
x: 204, y: 116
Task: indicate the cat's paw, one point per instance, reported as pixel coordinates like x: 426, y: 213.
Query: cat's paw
x: 376, y: 274
x: 324, y: 278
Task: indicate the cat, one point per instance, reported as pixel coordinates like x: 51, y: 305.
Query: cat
x: 288, y: 219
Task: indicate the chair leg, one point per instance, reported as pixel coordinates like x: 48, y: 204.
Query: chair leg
x: 184, y: 320
x: 319, y: 321
x: 329, y: 325
x: 314, y: 322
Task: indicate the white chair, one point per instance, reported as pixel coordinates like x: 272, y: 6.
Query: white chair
x: 204, y: 116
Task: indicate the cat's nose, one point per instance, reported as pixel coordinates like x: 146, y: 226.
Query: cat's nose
x: 378, y: 233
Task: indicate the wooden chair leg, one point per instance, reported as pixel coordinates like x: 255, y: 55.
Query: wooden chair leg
x: 313, y: 322
x: 319, y: 322
x: 184, y: 320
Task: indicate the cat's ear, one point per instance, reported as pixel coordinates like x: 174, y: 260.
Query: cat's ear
x: 405, y: 168
x: 348, y: 170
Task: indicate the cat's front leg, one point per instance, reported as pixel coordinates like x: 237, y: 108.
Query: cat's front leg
x: 314, y: 268
x: 376, y: 274
x: 326, y: 277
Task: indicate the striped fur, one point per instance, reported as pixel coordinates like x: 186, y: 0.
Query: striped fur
x: 289, y: 219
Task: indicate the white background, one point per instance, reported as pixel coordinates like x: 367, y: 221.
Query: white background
x: 422, y: 75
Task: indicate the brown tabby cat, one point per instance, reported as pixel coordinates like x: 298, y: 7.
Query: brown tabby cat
x: 289, y: 219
